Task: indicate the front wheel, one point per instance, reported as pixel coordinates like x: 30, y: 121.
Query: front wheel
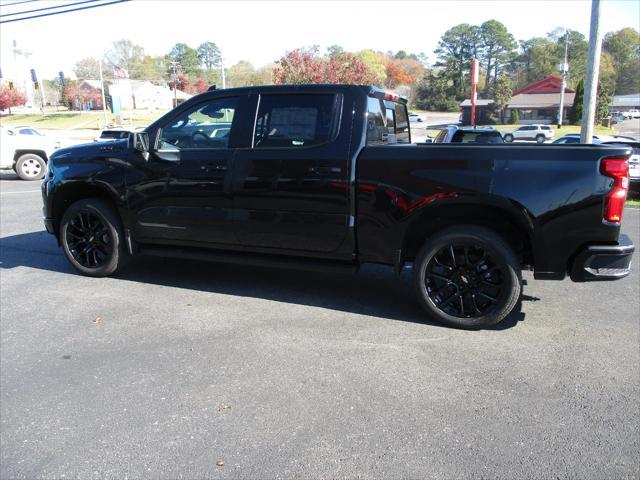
x: 30, y: 166
x: 508, y: 138
x: 92, y: 237
x: 540, y: 139
x: 467, y: 277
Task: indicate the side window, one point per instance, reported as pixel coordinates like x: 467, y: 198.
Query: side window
x: 204, y: 126
x: 296, y: 120
x: 375, y: 122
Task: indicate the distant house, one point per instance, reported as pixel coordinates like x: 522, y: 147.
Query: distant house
x: 622, y: 103
x: 142, y: 94
x: 87, y: 95
x: 538, y: 102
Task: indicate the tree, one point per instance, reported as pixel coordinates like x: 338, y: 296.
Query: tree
x: 575, y: 115
x: 209, y: 55
x: 501, y: 94
x: 187, y: 59
x: 126, y: 55
x: 376, y: 63
x: 241, y: 74
x: 305, y: 66
x: 497, y: 46
x: 603, y: 100
x: 433, y: 93
x: 515, y: 117
x: 11, y: 98
x: 199, y: 86
x: 624, y: 48
x: 456, y: 48
x: 87, y: 68
x: 334, y: 50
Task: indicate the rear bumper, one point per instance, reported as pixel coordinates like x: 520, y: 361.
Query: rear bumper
x: 603, y: 262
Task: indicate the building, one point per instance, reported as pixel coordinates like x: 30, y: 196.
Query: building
x: 538, y: 102
x: 142, y: 94
x: 86, y: 95
x: 623, y: 103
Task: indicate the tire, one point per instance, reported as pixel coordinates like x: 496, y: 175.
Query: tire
x: 540, y: 138
x: 30, y: 166
x: 92, y: 238
x: 475, y: 287
x: 508, y: 138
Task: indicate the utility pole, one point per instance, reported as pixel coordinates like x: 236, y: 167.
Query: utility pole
x: 224, y: 84
x: 104, y: 103
x: 564, y: 70
x: 593, y: 71
x: 174, y: 68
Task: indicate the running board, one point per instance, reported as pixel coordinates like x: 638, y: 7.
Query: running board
x: 257, y: 260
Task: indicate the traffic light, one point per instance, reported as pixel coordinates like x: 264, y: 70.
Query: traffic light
x: 34, y: 77
x: 10, y: 85
x: 61, y: 76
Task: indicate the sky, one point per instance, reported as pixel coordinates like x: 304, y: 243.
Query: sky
x: 262, y: 31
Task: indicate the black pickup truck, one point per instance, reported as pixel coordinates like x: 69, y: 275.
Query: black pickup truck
x: 326, y: 176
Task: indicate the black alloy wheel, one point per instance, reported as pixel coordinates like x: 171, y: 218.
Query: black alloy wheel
x: 464, y: 281
x: 467, y: 277
x: 92, y: 237
x: 88, y: 239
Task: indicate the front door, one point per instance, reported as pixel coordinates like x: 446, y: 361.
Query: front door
x: 291, y: 189
x: 185, y: 195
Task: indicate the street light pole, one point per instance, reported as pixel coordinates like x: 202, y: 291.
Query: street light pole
x: 593, y: 70
x: 104, y: 103
x: 224, y: 84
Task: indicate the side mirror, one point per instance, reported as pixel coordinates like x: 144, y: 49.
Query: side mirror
x: 140, y: 141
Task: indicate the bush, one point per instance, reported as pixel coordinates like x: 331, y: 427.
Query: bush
x: 515, y: 117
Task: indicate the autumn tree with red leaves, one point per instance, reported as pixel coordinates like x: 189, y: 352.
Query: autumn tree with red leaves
x: 11, y: 98
x: 303, y: 66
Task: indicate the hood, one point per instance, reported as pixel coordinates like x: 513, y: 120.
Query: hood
x: 94, y: 149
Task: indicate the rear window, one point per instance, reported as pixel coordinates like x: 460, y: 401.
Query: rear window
x: 387, y: 122
x: 114, y: 135
x: 462, y: 136
x: 297, y: 120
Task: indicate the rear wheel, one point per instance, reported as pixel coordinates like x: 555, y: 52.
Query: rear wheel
x: 508, y: 138
x: 30, y: 166
x: 467, y: 277
x: 92, y: 238
x: 540, y: 138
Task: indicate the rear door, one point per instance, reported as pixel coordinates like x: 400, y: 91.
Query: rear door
x: 291, y: 188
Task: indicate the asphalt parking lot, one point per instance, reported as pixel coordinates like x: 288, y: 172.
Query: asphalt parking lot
x: 181, y: 369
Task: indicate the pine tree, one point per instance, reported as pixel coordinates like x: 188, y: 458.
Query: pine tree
x: 575, y: 116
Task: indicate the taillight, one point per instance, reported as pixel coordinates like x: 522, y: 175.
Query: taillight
x: 618, y: 169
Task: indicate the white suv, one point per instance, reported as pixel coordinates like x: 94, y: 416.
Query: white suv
x: 539, y: 133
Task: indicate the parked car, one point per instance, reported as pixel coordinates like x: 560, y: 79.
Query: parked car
x: 116, y: 133
x: 634, y: 160
x: 479, y: 135
x: 27, y: 154
x: 304, y: 179
x: 415, y: 117
x: 574, y: 138
x: 539, y: 133
x: 633, y: 113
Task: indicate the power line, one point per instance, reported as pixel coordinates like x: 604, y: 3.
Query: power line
x: 64, y: 5
x: 63, y: 11
x: 17, y: 3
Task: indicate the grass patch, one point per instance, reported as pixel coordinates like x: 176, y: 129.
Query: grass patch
x: 77, y: 120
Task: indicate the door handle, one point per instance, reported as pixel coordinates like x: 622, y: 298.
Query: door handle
x: 325, y: 170
x: 219, y: 168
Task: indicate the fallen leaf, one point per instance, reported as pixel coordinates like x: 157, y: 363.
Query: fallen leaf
x: 223, y: 406
x: 220, y: 463
x: 98, y: 320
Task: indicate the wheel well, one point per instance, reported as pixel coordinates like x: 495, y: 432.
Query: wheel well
x: 493, y: 218
x: 70, y: 194
x: 41, y: 153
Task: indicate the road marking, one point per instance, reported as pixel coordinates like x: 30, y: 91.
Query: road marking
x: 23, y: 191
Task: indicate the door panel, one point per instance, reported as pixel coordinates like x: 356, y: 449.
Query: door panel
x: 290, y: 191
x: 185, y: 192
